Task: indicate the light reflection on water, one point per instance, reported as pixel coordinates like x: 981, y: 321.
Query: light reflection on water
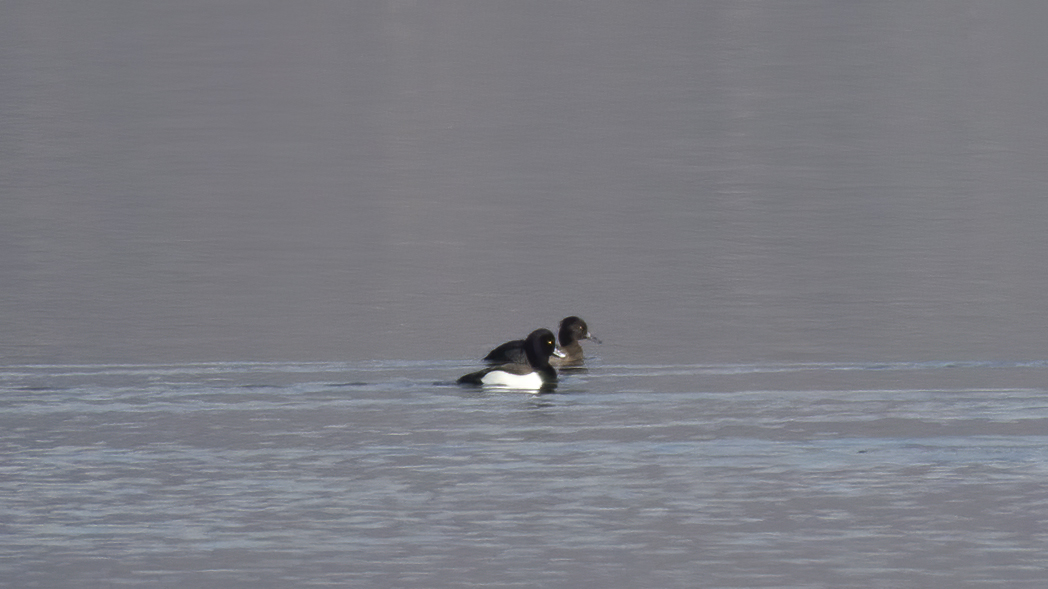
x: 310, y: 474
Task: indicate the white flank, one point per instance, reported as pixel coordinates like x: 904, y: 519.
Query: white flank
x: 530, y: 382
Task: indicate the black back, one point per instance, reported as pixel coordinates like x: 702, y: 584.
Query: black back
x: 511, y: 351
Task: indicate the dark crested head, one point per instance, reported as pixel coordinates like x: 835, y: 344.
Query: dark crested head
x: 539, y: 345
x: 572, y: 329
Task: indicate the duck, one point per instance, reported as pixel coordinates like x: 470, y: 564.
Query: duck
x: 534, y: 374
x: 572, y: 329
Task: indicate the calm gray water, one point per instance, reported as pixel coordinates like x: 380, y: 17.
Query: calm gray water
x: 245, y: 250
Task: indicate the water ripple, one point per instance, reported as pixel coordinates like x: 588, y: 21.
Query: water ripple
x: 259, y: 474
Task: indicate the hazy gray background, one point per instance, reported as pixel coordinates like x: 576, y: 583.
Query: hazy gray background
x: 702, y: 181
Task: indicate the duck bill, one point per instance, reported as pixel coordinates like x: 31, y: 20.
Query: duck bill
x: 559, y: 353
x: 592, y: 338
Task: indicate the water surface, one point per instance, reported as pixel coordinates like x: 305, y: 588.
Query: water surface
x: 385, y: 474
